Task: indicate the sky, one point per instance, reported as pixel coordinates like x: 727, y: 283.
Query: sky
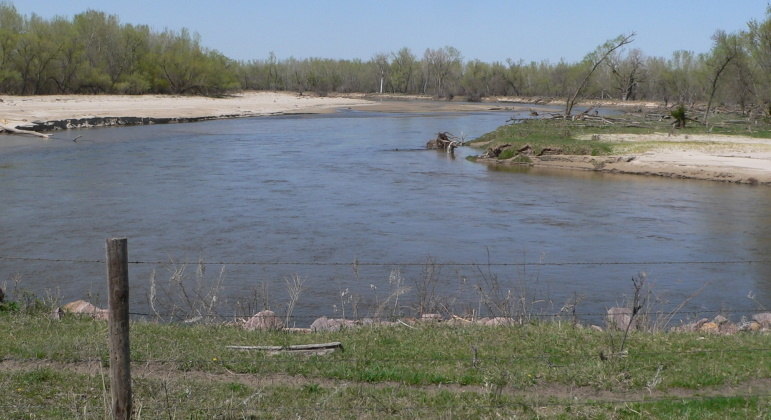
x: 488, y: 30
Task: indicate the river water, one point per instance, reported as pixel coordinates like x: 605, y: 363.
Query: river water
x: 308, y: 196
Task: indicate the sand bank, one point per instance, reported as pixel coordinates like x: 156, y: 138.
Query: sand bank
x: 738, y: 159
x: 24, y: 111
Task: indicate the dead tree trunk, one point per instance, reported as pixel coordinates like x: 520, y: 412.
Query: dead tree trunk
x: 598, y: 57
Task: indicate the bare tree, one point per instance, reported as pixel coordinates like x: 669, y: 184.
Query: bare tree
x: 440, y: 64
x: 627, y: 73
x: 381, y: 62
x: 597, y: 57
x: 726, y: 48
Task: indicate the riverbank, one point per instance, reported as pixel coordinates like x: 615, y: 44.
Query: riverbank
x: 736, y: 151
x: 736, y: 159
x: 46, y: 113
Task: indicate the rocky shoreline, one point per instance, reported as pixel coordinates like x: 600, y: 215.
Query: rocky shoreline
x: 617, y: 318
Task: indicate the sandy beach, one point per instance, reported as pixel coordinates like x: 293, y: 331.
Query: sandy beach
x: 709, y: 157
x: 21, y: 111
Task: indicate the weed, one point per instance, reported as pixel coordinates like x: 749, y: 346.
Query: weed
x: 294, y: 285
x: 177, y: 299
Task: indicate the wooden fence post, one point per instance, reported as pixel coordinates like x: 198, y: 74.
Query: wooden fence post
x: 118, y: 301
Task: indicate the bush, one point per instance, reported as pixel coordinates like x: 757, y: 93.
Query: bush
x: 679, y: 115
x: 507, y: 154
x: 9, y: 307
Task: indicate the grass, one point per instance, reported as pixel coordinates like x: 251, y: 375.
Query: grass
x: 570, y: 135
x: 56, y: 369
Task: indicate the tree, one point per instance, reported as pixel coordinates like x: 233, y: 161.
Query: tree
x: 403, y: 66
x: 382, y: 65
x: 626, y: 73
x: 594, y: 59
x: 440, y: 65
x: 725, y: 49
x: 476, y: 80
x: 758, y: 41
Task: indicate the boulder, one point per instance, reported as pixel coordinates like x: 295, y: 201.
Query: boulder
x: 482, y: 321
x: 264, y: 321
x: 691, y: 327
x: 709, y: 327
x: 81, y: 307
x: 431, y: 317
x: 763, y: 318
x: 752, y: 326
x: 331, y: 324
x: 498, y: 321
x: 728, y: 328
x: 620, y: 318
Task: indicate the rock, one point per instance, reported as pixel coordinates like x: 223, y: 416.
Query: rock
x: 763, y: 318
x: 728, y: 328
x: 720, y: 320
x: 431, y: 317
x: 264, y: 321
x: 331, y: 324
x: 752, y: 326
x: 709, y: 327
x: 619, y: 318
x: 498, y: 321
x: 698, y: 324
x: 81, y: 307
x: 458, y: 321
x: 596, y: 328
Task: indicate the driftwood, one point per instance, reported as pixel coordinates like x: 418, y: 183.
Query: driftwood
x: 321, y: 348
x: 494, y: 152
x: 444, y: 141
x: 15, y: 130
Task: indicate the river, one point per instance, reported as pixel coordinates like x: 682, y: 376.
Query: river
x: 308, y: 196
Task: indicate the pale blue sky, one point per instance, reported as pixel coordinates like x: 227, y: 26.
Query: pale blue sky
x: 489, y: 30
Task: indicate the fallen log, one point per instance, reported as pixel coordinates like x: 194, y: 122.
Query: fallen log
x: 15, y: 130
x: 298, y: 347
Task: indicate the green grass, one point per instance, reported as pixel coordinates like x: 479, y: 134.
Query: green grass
x: 567, y: 135
x: 394, y: 372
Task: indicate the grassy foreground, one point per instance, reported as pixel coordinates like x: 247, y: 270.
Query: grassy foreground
x: 58, y: 369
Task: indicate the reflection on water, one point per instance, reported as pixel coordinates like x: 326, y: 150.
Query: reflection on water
x: 332, y: 189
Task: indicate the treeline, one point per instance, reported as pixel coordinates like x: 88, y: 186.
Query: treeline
x: 95, y: 53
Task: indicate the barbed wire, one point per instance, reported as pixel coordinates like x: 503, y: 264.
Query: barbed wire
x: 364, y: 320
x: 391, y: 264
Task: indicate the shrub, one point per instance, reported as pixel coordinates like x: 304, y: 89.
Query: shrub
x: 679, y: 115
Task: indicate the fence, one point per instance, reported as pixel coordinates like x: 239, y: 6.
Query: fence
x: 537, y: 289
x: 118, y: 263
